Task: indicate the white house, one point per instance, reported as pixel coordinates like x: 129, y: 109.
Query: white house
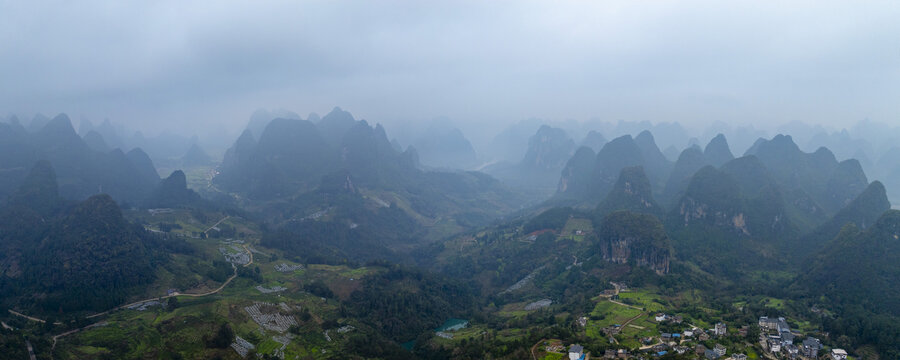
x: 838, y: 354
x: 576, y: 352
x: 720, y: 329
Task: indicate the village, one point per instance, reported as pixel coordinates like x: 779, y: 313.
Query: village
x: 775, y: 338
x: 678, y: 338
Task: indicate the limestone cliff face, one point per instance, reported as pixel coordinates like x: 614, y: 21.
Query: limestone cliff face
x: 633, y: 238
x: 692, y: 210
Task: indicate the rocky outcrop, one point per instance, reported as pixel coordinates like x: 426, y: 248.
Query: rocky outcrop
x: 632, y: 192
x: 637, y: 239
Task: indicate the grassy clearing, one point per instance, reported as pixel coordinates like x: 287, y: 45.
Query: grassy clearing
x: 774, y: 303
x: 554, y: 356
x: 573, y: 226
x: 646, y: 299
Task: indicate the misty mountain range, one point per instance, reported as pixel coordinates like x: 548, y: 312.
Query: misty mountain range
x: 336, y: 189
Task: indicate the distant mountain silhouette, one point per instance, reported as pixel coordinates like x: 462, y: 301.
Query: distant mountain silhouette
x: 95, y: 141
x: 594, y: 140
x: 827, y: 183
x: 81, y: 171
x: 548, y: 150
x: 617, y: 154
x: 690, y: 160
x: 547, y: 153
x: 446, y: 148
x: 862, y: 212
x: 195, y: 156
x: 717, y: 152
x: 294, y: 162
x: 655, y: 164
x: 173, y: 192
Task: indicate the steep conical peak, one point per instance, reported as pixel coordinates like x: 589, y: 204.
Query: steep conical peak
x: 338, y: 115
x: 717, y: 151
x: 594, y: 140
x: 335, y: 124
x: 548, y: 149
x: 177, y: 181
x: 690, y: 160
x: 240, y: 151
x: 59, y: 125
x: 846, y: 182
x: 780, y: 145
x: 173, y: 191
x: 619, y: 153
x: 246, y: 138
x: 655, y: 163
x: 575, y: 179
x: 824, y: 155
x: 95, y: 141
x: 645, y: 137
x: 755, y: 147
x: 38, y: 122
x: 631, y: 192
x: 143, y: 164
x: 714, y: 188
x: 647, y: 143
x: 195, y: 156
x: 619, y: 145
x: 749, y: 172
x: 868, y: 206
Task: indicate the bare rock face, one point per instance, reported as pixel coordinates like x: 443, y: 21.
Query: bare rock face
x: 692, y: 210
x: 634, y: 238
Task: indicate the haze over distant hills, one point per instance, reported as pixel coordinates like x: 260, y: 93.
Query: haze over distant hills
x: 338, y: 190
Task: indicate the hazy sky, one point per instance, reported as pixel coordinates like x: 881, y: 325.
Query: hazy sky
x: 157, y: 64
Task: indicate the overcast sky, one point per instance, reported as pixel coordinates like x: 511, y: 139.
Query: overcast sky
x: 157, y: 64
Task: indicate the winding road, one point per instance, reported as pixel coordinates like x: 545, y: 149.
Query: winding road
x: 224, y: 284
x: 175, y: 294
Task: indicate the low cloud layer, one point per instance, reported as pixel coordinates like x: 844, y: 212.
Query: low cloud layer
x: 168, y: 64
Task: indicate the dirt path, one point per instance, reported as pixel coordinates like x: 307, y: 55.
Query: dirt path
x: 16, y: 313
x: 628, y: 322
x: 30, y: 350
x: 626, y: 305
x: 224, y: 284
x: 533, y: 348
x: 633, y: 319
x: 70, y: 332
x: 217, y: 224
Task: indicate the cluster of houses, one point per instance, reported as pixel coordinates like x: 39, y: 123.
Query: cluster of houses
x: 676, y: 342
x: 776, y: 338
